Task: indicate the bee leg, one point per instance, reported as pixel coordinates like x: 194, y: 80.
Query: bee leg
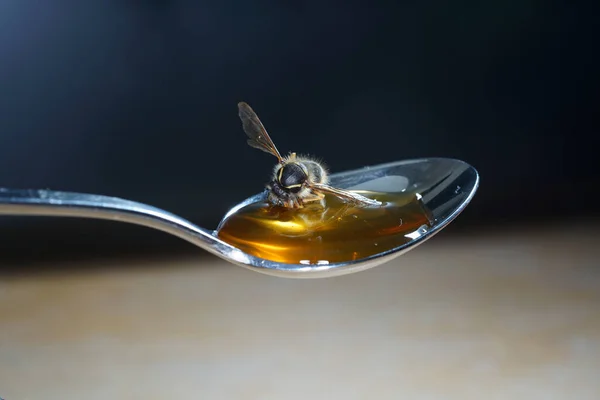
x: 289, y: 202
x: 314, y: 197
x: 297, y: 202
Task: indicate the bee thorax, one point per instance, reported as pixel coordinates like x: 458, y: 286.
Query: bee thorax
x: 291, y: 177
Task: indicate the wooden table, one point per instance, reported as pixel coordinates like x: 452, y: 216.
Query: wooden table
x: 511, y: 315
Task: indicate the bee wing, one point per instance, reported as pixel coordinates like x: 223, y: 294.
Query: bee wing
x: 345, y: 195
x: 259, y: 138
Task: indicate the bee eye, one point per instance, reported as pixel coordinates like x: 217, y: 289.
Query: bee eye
x: 292, y: 176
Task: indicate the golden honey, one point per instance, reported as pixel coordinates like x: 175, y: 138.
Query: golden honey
x: 335, y: 232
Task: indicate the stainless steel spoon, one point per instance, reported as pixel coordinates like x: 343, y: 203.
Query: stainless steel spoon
x: 446, y: 187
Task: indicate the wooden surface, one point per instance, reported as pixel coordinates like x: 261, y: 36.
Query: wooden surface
x: 515, y: 315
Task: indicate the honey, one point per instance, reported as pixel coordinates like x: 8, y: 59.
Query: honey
x: 335, y: 232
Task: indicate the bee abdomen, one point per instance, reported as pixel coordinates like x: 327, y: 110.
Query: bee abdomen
x: 292, y: 176
x: 277, y: 189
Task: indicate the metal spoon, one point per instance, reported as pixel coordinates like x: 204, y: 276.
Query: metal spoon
x: 446, y: 187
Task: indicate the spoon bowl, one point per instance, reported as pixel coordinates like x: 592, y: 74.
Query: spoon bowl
x: 445, y: 186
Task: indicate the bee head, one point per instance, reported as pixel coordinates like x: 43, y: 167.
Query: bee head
x: 292, y: 176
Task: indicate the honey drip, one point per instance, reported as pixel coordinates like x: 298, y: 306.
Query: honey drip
x: 334, y: 233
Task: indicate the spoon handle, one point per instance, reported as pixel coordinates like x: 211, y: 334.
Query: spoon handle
x: 49, y: 203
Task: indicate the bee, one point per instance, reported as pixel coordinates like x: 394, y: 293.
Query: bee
x: 296, y: 180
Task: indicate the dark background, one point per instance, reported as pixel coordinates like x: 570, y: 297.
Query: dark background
x: 137, y: 99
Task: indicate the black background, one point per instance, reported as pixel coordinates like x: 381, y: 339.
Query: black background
x: 138, y: 99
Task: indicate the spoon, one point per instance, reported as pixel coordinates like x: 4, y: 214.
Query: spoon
x: 445, y: 185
